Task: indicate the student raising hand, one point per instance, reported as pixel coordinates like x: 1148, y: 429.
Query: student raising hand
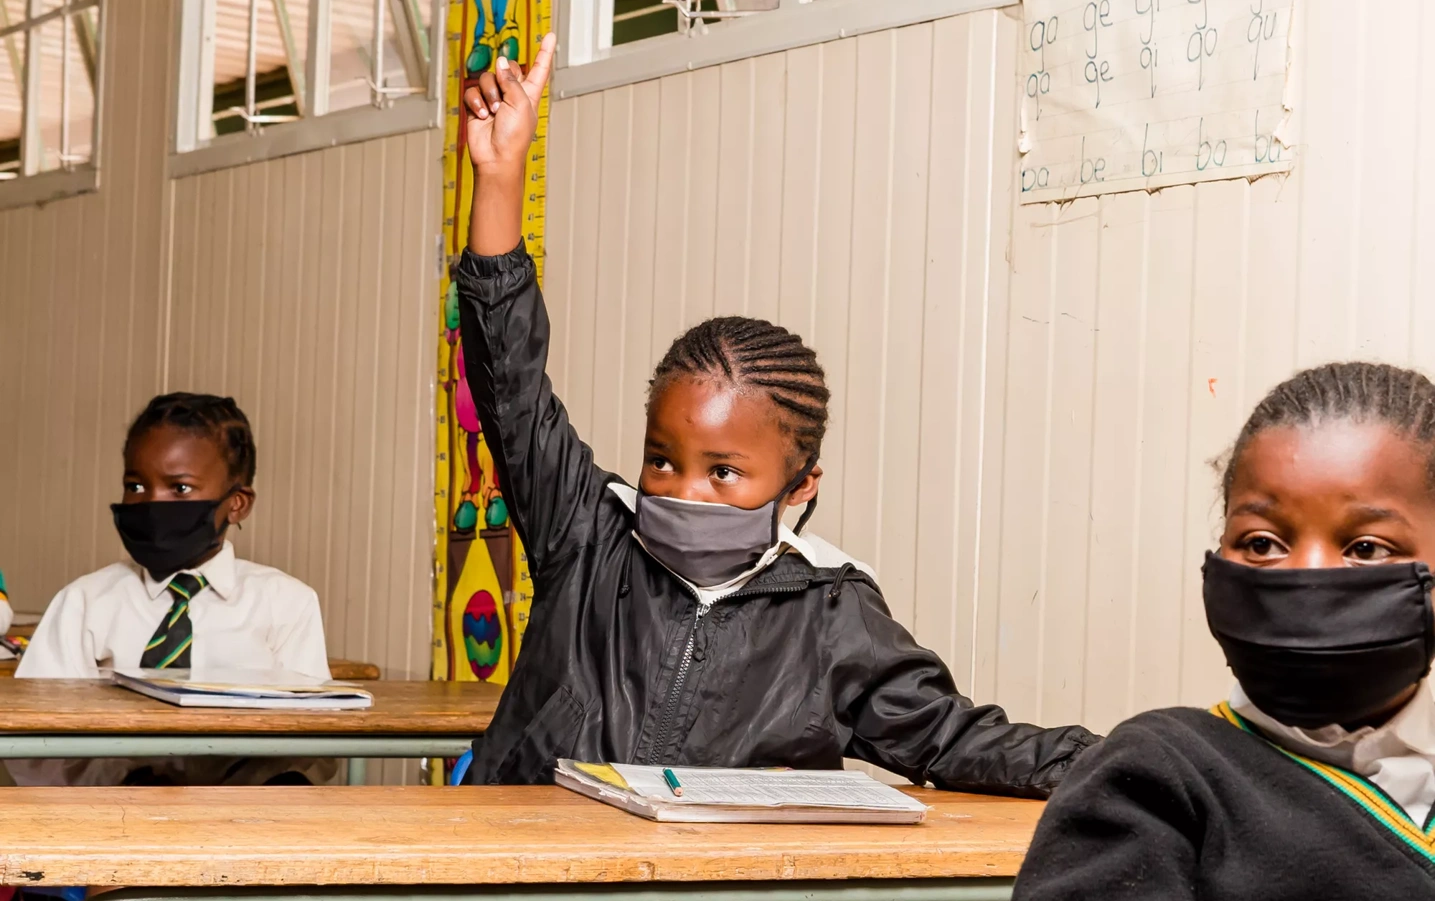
x: 505, y: 115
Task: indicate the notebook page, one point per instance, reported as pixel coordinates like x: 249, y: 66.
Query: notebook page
x: 769, y: 788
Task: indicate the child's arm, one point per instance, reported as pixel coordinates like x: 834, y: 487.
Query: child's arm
x: 62, y: 647
x: 299, y: 646
x: 547, y: 473
x: 907, y: 716
x: 1123, y: 826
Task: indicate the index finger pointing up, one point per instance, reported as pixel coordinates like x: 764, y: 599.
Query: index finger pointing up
x: 542, y: 67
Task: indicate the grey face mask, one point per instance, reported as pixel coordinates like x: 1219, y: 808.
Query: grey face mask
x: 709, y: 544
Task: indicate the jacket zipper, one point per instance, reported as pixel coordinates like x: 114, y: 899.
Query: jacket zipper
x: 675, y: 691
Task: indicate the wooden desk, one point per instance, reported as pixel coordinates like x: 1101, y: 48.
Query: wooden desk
x: 42, y: 718
x: 473, y: 836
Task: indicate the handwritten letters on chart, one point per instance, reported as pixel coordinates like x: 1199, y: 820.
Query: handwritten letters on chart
x: 1125, y: 95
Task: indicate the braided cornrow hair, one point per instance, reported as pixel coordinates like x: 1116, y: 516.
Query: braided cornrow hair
x: 205, y: 414
x: 754, y: 353
x: 1402, y: 399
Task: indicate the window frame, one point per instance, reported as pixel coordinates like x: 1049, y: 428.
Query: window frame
x: 390, y: 111
x: 32, y: 186
x: 588, y: 61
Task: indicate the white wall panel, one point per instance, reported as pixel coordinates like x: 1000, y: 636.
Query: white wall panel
x: 1027, y: 400
x: 82, y: 310
x: 1203, y: 298
x: 305, y: 287
x: 850, y: 191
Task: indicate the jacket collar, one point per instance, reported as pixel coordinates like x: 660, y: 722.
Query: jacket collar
x: 218, y: 571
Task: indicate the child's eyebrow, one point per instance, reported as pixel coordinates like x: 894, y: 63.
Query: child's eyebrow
x: 724, y: 455
x: 1256, y: 508
x: 1364, y: 513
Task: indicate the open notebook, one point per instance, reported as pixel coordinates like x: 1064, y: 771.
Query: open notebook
x: 742, y: 796
x: 258, y: 689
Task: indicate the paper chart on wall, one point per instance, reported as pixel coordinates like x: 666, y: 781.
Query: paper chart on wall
x: 1127, y: 95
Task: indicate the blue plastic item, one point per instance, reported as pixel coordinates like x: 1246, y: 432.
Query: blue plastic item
x: 460, y: 769
x: 66, y: 893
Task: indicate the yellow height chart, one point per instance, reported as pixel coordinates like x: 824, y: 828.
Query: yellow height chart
x: 482, y: 590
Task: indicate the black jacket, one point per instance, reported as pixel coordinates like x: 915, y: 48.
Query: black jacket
x: 799, y: 668
x: 1180, y: 805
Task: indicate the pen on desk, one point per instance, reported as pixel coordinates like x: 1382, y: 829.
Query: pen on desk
x: 673, y: 783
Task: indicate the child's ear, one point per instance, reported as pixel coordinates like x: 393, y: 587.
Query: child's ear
x: 241, y: 502
x: 807, y: 490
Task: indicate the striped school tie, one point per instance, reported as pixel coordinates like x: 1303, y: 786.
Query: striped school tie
x: 169, y: 648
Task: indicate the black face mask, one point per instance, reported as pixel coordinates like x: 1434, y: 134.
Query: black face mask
x: 1313, y: 647
x: 167, y: 536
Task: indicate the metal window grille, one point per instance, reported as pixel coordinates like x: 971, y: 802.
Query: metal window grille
x: 50, y: 54
x: 248, y: 65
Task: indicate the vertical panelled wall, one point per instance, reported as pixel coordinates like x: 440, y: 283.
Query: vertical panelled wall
x: 850, y: 191
x: 306, y: 288
x: 81, y: 325
x: 1142, y: 329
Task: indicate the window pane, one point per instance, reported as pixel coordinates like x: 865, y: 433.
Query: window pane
x: 47, y: 112
x: 351, y: 43
x: 274, y: 91
x: 634, y: 20
x: 78, y: 142
x: 351, y: 30
x: 12, y: 64
x: 423, y: 11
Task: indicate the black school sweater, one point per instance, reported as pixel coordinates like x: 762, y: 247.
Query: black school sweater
x: 1184, y: 803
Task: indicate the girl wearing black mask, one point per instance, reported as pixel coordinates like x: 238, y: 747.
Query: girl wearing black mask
x: 186, y: 601
x: 679, y: 621
x: 1316, y: 779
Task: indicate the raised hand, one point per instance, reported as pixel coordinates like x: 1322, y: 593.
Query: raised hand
x: 505, y: 112
x: 505, y: 115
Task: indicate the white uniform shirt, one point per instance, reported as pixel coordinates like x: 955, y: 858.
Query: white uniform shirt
x: 1398, y: 756
x: 248, y: 617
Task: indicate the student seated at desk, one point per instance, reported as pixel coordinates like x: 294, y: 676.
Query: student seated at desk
x: 681, y: 622
x: 1316, y: 779
x: 186, y: 601
x: 7, y: 615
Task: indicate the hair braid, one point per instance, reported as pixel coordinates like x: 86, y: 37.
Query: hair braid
x: 757, y: 354
x: 1402, y: 399
x: 218, y: 418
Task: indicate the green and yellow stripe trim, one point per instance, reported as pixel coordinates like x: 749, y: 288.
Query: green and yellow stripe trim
x: 179, y: 589
x: 1366, y: 795
x: 174, y: 655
